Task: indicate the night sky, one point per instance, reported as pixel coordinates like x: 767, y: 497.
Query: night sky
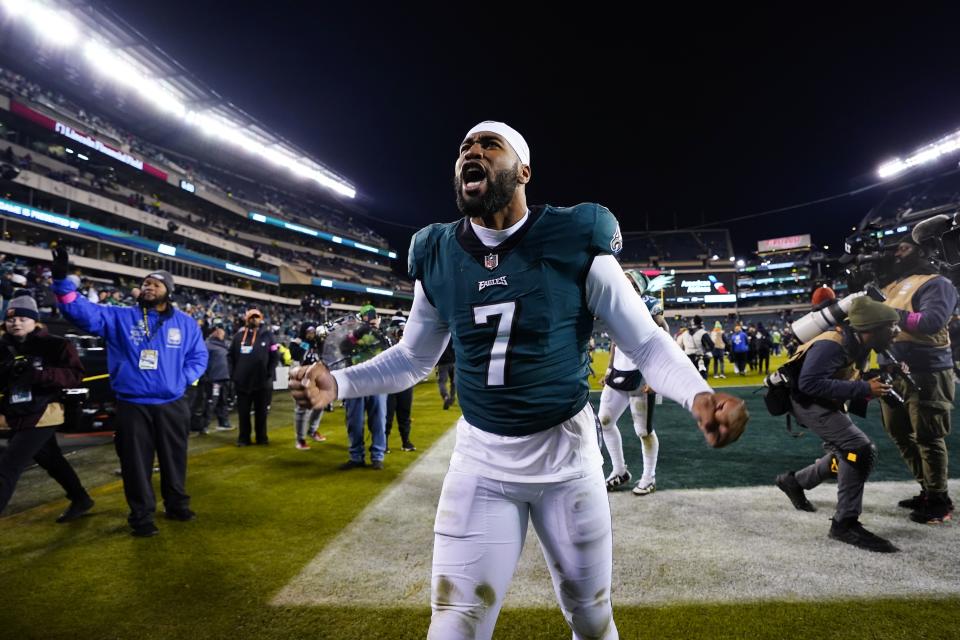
x: 678, y: 119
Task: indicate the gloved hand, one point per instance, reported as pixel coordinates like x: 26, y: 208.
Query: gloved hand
x: 61, y: 262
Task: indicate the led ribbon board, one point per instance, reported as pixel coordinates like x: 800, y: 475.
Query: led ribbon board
x: 81, y: 138
x: 314, y: 233
x: 359, y: 288
x: 54, y: 220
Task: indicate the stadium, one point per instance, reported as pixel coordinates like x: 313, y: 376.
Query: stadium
x: 119, y: 155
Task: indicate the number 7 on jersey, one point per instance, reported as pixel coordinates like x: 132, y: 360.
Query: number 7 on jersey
x: 498, y: 352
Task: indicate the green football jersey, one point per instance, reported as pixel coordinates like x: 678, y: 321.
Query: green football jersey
x: 517, y: 313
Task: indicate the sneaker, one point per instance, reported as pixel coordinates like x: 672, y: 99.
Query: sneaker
x: 614, y: 481
x: 938, y: 509
x: 409, y: 447
x: 852, y: 532
x: 241, y: 443
x: 644, y: 487
x: 787, y: 483
x: 723, y: 377
x: 318, y: 437
x: 76, y: 510
x: 716, y: 377
x: 145, y: 530
x: 352, y: 464
x: 225, y: 427
x: 302, y: 445
x: 377, y: 465
x: 183, y: 515
x: 915, y: 503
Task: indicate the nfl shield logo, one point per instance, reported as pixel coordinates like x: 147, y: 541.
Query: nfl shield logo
x: 491, y: 261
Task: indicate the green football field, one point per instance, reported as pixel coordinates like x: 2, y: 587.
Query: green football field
x: 273, y: 553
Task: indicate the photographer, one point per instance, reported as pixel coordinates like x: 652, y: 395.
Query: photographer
x: 820, y: 378
x: 35, y: 367
x: 924, y: 301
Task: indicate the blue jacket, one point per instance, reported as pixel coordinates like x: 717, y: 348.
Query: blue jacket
x: 739, y: 342
x: 181, y: 354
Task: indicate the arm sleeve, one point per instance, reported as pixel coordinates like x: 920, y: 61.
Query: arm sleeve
x: 663, y: 364
x: 401, y: 366
x: 80, y: 311
x: 195, y: 363
x: 935, y: 301
x: 821, y: 361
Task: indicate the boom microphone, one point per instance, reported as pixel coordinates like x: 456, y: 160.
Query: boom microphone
x: 932, y: 228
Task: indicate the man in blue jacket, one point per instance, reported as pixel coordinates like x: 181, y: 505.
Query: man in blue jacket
x: 154, y: 352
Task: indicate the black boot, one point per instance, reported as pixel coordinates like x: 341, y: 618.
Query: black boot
x: 76, y: 510
x: 916, y: 502
x: 787, y: 483
x: 850, y: 530
x: 937, y: 509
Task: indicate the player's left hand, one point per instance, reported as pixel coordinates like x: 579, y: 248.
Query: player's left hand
x: 721, y: 417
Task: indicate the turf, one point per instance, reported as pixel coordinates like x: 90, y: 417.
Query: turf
x: 264, y: 512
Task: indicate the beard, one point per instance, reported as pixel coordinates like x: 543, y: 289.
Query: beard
x: 499, y: 193
x: 150, y: 304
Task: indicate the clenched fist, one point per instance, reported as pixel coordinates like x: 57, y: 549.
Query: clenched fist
x: 312, y: 386
x: 721, y: 417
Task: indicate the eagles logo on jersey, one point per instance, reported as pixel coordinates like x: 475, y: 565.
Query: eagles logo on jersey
x: 520, y: 342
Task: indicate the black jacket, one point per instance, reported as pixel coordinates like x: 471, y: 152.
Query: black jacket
x: 53, y: 366
x: 253, y: 359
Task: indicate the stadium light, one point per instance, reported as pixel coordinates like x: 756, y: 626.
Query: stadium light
x: 109, y: 64
x: 732, y: 259
x: 740, y: 263
x: 715, y: 257
x: 53, y: 26
x: 57, y: 27
x: 927, y: 153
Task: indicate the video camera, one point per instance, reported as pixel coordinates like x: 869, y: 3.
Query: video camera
x: 868, y: 254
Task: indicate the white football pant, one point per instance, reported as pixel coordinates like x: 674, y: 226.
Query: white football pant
x: 479, y: 533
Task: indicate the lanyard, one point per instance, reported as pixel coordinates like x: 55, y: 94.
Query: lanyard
x: 146, y: 325
x: 244, y: 338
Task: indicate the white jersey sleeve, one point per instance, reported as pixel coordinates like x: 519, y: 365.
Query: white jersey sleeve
x: 406, y: 363
x: 662, y: 363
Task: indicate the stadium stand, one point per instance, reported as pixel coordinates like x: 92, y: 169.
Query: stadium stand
x: 76, y: 170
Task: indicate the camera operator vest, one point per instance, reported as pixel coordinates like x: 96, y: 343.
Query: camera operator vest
x: 900, y: 296
x: 791, y: 370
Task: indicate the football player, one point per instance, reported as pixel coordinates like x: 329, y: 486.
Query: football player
x: 516, y: 289
x: 623, y: 384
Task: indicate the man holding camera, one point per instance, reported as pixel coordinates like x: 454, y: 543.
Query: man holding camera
x: 924, y: 301
x: 822, y: 376
x: 35, y: 367
x: 154, y: 352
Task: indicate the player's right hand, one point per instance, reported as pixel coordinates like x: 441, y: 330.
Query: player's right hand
x: 312, y: 386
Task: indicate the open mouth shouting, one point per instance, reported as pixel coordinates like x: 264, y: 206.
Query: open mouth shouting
x: 473, y: 177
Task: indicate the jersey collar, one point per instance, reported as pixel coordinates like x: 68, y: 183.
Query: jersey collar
x: 471, y: 243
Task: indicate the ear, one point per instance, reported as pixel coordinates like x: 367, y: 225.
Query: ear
x: 524, y: 176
